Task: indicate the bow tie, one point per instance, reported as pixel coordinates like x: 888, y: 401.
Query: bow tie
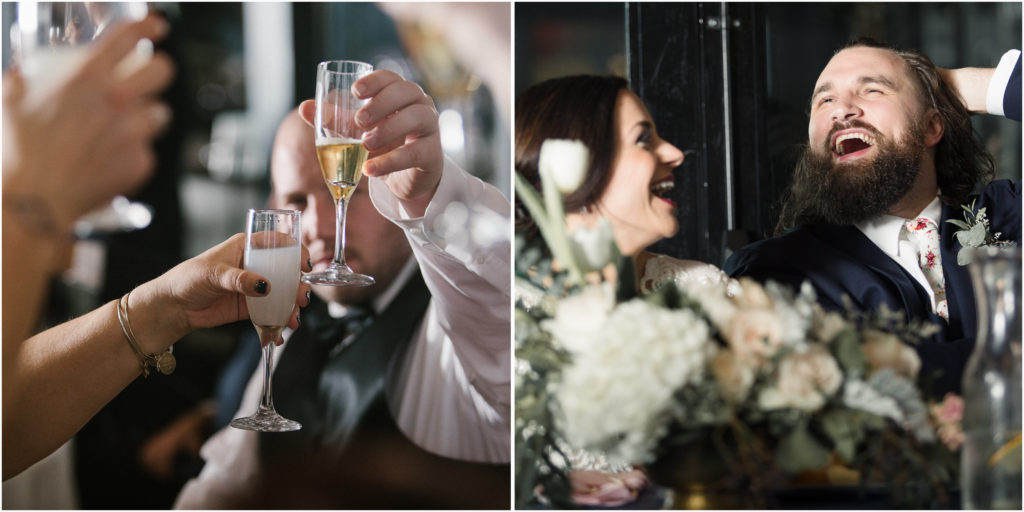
x: 328, y: 332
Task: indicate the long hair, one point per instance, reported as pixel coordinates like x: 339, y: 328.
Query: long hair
x: 961, y: 162
x: 578, y: 107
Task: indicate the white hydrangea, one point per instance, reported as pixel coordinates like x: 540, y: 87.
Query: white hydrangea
x: 575, y: 323
x: 617, y: 396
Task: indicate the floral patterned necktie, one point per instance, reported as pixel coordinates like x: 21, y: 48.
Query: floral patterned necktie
x: 925, y: 235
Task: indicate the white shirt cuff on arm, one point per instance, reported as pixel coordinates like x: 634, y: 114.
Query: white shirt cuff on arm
x: 997, y: 86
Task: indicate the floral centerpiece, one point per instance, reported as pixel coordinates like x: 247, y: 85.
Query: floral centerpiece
x: 748, y: 391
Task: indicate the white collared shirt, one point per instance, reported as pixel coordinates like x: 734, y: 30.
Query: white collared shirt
x: 886, y: 231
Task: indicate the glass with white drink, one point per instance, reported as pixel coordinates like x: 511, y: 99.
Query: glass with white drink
x: 272, y: 250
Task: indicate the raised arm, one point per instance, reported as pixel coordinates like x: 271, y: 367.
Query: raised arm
x: 994, y: 91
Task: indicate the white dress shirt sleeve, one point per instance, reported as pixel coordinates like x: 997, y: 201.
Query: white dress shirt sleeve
x: 452, y: 395
x: 997, y: 85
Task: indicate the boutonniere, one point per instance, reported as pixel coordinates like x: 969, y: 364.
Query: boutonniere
x: 974, y: 233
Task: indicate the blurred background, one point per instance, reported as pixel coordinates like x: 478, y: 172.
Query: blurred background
x: 729, y: 83
x: 240, y: 68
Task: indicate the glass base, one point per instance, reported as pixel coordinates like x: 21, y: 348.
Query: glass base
x: 266, y: 420
x: 337, y: 276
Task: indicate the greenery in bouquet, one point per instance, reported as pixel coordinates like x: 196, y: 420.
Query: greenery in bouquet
x: 758, y: 389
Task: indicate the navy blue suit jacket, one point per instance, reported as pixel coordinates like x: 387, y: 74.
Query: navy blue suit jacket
x: 840, y: 260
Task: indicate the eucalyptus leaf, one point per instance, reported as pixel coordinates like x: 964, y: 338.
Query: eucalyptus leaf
x: 963, y: 256
x: 974, y: 237
x: 844, y: 429
x: 848, y: 352
x: 959, y: 223
x: 800, y: 451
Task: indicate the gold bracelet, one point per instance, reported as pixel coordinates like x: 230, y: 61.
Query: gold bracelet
x: 164, y: 362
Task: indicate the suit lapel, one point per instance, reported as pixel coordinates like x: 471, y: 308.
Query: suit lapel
x: 849, y: 240
x: 963, y: 319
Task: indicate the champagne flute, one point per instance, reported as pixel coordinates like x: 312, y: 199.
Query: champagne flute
x: 272, y: 249
x: 340, y: 150
x: 53, y: 41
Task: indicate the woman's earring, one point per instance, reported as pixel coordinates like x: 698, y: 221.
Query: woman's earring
x: 584, y: 210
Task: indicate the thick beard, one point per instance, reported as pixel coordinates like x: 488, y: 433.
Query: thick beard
x: 848, y: 193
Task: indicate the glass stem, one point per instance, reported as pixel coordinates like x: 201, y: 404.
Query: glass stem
x: 341, y: 207
x: 268, y: 340
x: 267, y: 400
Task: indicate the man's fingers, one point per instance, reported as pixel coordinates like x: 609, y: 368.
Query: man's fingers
x: 417, y: 121
x: 422, y: 153
x: 307, y: 110
x: 393, y: 98
x: 369, y: 85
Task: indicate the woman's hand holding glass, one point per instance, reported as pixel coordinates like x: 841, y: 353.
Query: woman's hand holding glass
x: 209, y: 290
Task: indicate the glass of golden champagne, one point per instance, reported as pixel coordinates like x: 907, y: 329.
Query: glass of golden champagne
x: 340, y: 150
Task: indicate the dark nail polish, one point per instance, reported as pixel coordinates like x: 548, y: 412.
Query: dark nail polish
x: 309, y: 297
x: 261, y: 286
x: 309, y: 262
x: 298, y: 318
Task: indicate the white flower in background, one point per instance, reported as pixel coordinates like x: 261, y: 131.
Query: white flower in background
x: 593, y: 247
x: 618, y: 395
x: 753, y: 295
x: 715, y: 302
x: 804, y: 381
x: 826, y: 325
x: 885, y: 350
x: 794, y: 312
x: 733, y: 377
x: 858, y: 394
x: 578, y: 318
x: 565, y: 161
x: 753, y: 335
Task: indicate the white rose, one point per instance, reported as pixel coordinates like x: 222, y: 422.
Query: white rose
x: 805, y: 381
x: 732, y: 377
x: 753, y: 335
x: 752, y: 295
x: 565, y: 161
x: 884, y: 350
x: 592, y: 247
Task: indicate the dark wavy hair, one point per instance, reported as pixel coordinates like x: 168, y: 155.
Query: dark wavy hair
x: 961, y: 162
x: 580, y: 107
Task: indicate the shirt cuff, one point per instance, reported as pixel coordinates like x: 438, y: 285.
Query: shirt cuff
x: 459, y: 220
x: 997, y: 85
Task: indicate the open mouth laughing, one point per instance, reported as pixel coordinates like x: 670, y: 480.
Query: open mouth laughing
x: 662, y: 188
x: 851, y: 144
